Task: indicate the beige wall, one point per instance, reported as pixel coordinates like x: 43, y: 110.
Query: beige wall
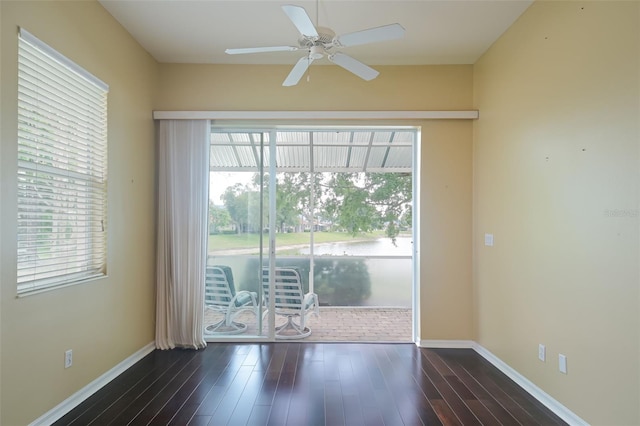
x: 241, y: 87
x: 445, y: 293
x: 556, y: 177
x: 107, y: 320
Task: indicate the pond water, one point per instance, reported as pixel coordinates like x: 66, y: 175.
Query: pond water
x: 379, y: 247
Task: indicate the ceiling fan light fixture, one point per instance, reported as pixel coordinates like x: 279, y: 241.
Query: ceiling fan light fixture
x: 316, y: 52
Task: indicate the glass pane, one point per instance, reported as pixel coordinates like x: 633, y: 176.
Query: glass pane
x: 237, y: 224
x: 338, y: 280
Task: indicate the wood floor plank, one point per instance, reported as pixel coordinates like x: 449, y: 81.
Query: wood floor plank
x: 231, y: 397
x: 199, y: 421
x: 314, y: 398
x: 450, y: 396
x: 303, y: 395
x: 259, y: 415
x: 498, y: 411
x: 370, y: 410
x: 500, y: 388
x: 247, y: 399
x: 183, y: 392
x: 301, y: 384
x: 364, y: 386
x: 156, y: 398
x: 128, y: 384
x: 223, y: 380
x: 282, y: 397
x: 184, y: 415
x: 125, y: 409
x: 334, y: 409
x: 424, y: 390
x: 525, y: 400
x: 274, y: 367
x: 218, y: 362
x: 400, y: 383
x: 351, y: 399
x: 87, y: 410
x: 408, y: 386
x: 445, y: 414
x: 445, y: 369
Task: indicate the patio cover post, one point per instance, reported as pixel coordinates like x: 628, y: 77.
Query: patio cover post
x: 312, y: 202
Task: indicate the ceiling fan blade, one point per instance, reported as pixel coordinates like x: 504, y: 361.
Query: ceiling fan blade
x: 363, y: 71
x: 300, y: 19
x: 372, y: 35
x: 260, y: 49
x: 298, y: 71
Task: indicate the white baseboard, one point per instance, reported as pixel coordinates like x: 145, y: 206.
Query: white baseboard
x: 547, y: 400
x: 447, y: 344
x: 74, y: 400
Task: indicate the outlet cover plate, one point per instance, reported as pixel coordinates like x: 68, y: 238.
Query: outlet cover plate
x: 542, y: 352
x: 488, y: 240
x: 68, y: 358
x: 562, y: 363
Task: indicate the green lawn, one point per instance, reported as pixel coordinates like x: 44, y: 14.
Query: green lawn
x: 235, y: 241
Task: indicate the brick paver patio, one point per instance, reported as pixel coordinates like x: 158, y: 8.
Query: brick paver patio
x: 346, y: 324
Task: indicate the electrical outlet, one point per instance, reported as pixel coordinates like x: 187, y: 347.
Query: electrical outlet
x: 562, y: 363
x: 68, y: 358
x: 542, y: 352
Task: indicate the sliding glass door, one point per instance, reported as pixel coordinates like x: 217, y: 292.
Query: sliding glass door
x: 238, y: 248
x: 333, y: 204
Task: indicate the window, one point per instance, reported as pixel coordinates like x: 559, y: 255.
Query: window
x: 62, y: 169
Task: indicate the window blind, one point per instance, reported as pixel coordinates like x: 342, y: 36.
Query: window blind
x: 62, y: 169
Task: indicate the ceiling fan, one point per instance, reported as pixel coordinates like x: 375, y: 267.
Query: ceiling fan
x: 320, y: 41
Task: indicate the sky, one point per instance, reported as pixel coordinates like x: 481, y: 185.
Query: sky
x: 220, y: 181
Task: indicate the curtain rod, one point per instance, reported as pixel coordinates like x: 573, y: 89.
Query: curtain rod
x: 315, y: 115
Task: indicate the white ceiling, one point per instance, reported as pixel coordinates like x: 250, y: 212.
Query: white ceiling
x: 437, y: 32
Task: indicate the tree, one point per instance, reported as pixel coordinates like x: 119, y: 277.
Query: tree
x: 391, y: 193
x: 292, y: 196
x: 288, y: 201
x: 243, y: 204
x: 229, y: 198
x: 363, y: 202
x: 348, y: 204
x: 355, y: 202
x: 219, y: 217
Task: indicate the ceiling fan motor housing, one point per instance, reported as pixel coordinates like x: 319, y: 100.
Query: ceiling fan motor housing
x: 325, y: 39
x: 316, y: 52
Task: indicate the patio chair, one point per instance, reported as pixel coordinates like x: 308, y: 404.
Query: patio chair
x: 220, y: 296
x: 291, y: 302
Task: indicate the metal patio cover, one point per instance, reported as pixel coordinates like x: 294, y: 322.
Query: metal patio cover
x: 331, y: 150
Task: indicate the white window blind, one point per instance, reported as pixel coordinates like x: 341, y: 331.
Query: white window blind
x: 62, y: 169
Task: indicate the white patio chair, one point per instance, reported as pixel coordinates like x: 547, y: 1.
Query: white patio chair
x: 220, y: 296
x: 291, y: 302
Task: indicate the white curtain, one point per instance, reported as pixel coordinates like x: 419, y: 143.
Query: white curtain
x: 182, y: 232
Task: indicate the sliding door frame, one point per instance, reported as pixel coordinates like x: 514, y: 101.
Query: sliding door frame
x: 235, y: 120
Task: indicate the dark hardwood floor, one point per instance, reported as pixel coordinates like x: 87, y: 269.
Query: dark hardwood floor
x: 311, y: 384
